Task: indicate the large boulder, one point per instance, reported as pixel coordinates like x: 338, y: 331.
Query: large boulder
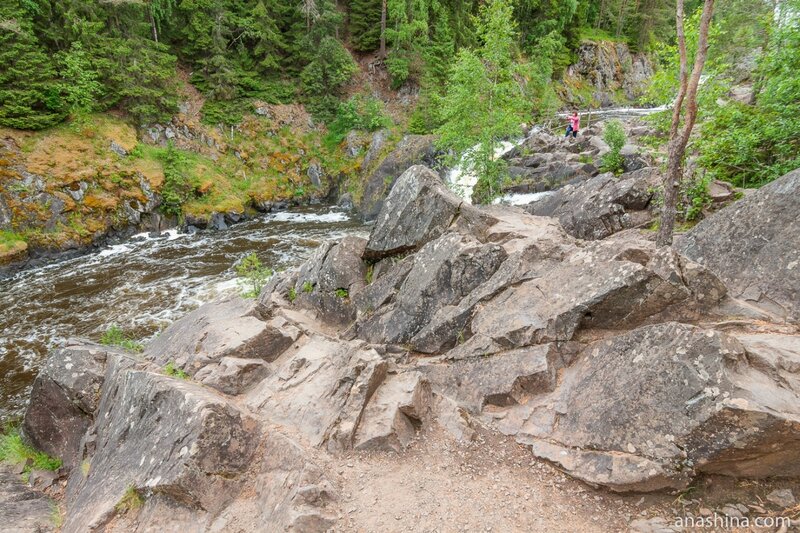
x: 227, y: 328
x: 64, y: 399
x: 419, y: 209
x: 411, y: 150
x: 601, y: 206
x: 650, y: 408
x: 325, y: 282
x: 156, y: 434
x: 753, y: 245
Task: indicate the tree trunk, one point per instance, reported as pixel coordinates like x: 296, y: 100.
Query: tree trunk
x: 382, y: 53
x: 679, y: 137
x: 153, y: 24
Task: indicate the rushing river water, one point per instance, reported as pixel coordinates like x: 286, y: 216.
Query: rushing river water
x: 142, y: 286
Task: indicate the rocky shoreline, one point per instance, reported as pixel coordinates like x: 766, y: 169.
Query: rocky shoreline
x: 630, y: 367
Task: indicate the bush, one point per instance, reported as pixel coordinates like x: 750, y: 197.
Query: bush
x: 615, y: 138
x: 252, y: 275
x: 695, y: 198
x: 114, y: 336
x: 358, y: 113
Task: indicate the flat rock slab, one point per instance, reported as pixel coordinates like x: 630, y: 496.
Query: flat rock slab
x: 23, y: 510
x: 677, y: 399
x: 322, y: 391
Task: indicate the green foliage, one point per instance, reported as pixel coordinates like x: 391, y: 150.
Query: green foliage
x: 178, y: 187
x: 81, y: 87
x: 365, y: 24
x: 342, y: 293
x: 130, y: 501
x: 14, y: 451
x: 308, y: 287
x: 750, y: 145
x: 9, y: 239
x: 292, y: 294
x: 114, y: 336
x: 363, y: 113
x: 484, y: 103
x: 614, y: 136
x: 172, y: 370
x: 695, y: 198
x: 323, y: 78
x: 226, y: 112
x: 30, y: 92
x: 252, y: 275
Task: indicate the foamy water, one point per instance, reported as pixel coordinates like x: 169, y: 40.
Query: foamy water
x: 142, y: 285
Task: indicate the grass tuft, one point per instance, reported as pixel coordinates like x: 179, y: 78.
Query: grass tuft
x: 130, y: 501
x: 14, y: 451
x: 114, y: 336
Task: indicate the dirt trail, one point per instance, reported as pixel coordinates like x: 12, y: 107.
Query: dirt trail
x: 490, y: 484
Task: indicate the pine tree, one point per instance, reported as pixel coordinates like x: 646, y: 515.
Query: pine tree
x: 365, y: 19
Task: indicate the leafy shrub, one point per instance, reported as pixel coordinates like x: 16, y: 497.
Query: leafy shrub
x: 615, y: 138
x: 114, y: 336
x: 308, y: 287
x: 252, y: 275
x: 695, y: 198
x: 227, y: 112
x: 363, y: 113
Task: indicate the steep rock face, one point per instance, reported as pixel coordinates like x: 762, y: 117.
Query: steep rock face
x: 418, y: 210
x: 754, y: 246
x: 607, y: 74
x: 412, y: 150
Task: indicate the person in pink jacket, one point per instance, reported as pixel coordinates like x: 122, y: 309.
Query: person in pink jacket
x: 574, y: 125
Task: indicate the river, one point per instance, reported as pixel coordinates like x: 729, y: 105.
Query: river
x: 142, y: 286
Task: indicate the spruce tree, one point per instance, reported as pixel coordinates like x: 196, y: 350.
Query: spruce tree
x: 365, y: 20
x: 29, y: 88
